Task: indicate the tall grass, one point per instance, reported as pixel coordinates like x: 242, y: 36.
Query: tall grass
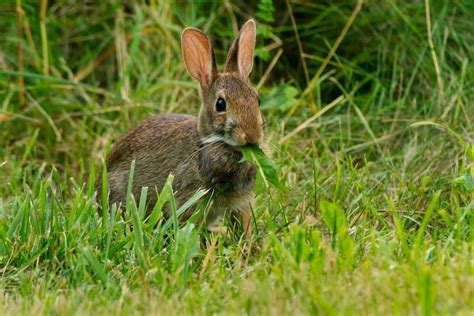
x: 372, y: 134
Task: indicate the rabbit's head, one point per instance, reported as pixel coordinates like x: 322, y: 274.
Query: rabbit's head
x: 230, y: 107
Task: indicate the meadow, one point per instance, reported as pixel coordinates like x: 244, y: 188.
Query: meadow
x: 370, y: 114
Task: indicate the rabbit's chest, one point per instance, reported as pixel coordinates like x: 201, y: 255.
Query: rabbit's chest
x: 224, y: 174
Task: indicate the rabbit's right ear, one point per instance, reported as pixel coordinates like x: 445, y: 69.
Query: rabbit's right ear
x: 240, y: 56
x: 199, y: 56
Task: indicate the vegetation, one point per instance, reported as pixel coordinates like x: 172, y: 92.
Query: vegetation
x: 369, y: 116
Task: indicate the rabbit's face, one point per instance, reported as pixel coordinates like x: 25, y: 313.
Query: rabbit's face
x: 231, y: 113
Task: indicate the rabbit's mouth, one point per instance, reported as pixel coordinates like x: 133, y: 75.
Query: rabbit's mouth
x: 234, y: 136
x: 221, y: 139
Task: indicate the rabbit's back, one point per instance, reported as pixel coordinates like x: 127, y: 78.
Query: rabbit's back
x: 160, y: 146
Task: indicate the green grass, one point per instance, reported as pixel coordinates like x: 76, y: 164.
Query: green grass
x: 375, y: 156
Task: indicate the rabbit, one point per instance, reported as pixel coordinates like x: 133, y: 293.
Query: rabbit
x: 201, y: 152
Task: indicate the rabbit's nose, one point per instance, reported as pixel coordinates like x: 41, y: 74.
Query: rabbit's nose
x: 253, y: 139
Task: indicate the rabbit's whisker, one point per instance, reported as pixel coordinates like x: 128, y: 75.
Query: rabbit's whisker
x: 218, y: 138
x: 213, y: 139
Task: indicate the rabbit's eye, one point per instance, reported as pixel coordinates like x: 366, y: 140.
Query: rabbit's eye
x: 220, y: 105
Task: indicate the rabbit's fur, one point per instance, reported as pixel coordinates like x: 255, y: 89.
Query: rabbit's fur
x: 202, y: 152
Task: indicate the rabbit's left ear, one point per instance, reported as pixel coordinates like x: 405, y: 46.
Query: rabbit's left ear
x: 199, y: 56
x: 240, y: 57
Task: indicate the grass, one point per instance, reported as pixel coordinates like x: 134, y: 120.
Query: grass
x: 373, y: 143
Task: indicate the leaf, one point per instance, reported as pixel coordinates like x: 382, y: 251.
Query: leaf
x: 280, y: 98
x: 467, y: 181
x: 186, y: 248
x: 163, y: 197
x: 265, y: 10
x: 266, y: 168
x: 139, y: 245
x: 336, y: 221
x: 333, y: 217
x: 193, y: 200
x: 17, y: 220
x: 424, y: 224
x: 95, y: 266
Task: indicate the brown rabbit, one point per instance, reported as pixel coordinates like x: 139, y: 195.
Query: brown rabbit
x: 202, y: 152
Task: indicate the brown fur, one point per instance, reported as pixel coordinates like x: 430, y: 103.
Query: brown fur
x: 201, y: 153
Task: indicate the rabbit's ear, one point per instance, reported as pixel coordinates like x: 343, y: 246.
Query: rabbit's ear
x: 240, y: 56
x: 199, y: 56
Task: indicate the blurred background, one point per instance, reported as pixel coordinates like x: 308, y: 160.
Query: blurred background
x: 75, y: 75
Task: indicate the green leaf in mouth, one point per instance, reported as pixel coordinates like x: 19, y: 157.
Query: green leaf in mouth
x: 266, y: 168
